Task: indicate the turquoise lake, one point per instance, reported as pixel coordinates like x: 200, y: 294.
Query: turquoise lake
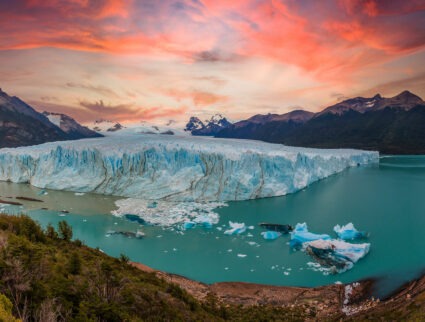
x: 386, y: 200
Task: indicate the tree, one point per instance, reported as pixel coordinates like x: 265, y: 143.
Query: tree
x: 74, y: 264
x: 65, y: 230
x: 51, y: 232
x: 124, y: 258
x: 6, y: 310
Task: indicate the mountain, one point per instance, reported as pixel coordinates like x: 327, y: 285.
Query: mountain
x: 70, y: 126
x: 394, y: 125
x: 21, y: 125
x: 108, y: 128
x: 102, y: 125
x: 194, y: 124
x: 268, y: 127
x: 211, y: 127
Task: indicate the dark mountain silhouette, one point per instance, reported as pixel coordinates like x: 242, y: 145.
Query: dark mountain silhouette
x: 21, y: 125
x: 393, y: 125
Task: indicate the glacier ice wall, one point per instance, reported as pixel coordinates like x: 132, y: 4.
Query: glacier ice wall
x: 175, y: 168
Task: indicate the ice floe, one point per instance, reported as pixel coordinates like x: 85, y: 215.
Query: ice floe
x: 348, y: 232
x: 301, y: 235
x: 167, y: 213
x: 338, y: 255
x: 235, y: 228
x: 270, y: 235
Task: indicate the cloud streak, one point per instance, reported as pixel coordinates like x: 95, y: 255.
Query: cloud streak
x: 209, y: 53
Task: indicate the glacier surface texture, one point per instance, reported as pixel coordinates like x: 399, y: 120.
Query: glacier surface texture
x: 175, y: 168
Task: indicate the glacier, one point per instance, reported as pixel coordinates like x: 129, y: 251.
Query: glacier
x: 175, y: 168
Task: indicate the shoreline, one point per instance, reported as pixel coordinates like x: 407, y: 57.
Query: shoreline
x: 326, y: 301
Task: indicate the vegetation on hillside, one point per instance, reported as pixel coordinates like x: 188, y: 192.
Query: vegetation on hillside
x: 47, y: 277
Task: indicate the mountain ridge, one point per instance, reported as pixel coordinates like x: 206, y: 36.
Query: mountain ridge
x: 22, y: 125
x: 394, y: 125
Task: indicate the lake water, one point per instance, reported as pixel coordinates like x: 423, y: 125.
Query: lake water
x: 386, y: 200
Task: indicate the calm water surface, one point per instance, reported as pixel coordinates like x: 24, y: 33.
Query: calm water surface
x: 387, y: 200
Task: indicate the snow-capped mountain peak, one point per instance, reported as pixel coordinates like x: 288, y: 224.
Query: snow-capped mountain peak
x: 70, y: 126
x: 212, y: 126
x: 194, y: 124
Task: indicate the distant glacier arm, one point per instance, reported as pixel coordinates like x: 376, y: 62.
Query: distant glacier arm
x: 177, y: 168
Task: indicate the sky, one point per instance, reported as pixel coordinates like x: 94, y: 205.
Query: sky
x: 143, y: 60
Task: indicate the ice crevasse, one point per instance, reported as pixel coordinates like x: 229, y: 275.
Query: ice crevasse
x: 175, y: 168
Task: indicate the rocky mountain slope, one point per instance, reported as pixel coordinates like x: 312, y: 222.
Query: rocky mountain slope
x: 394, y: 125
x: 269, y: 127
x: 70, y: 126
x: 211, y: 127
x: 21, y: 125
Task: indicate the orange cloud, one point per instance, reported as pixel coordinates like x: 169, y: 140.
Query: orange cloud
x: 316, y: 36
x: 199, y: 98
x: 127, y: 112
x: 270, y: 50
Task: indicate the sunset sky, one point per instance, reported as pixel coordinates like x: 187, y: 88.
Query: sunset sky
x: 131, y: 60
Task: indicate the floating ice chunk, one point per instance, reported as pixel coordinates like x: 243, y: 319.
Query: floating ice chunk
x: 348, y: 232
x: 42, y: 193
x: 242, y: 255
x: 271, y: 235
x: 169, y: 213
x: 236, y: 228
x: 340, y: 256
x: 79, y: 193
x: 188, y: 225
x: 204, y: 220
x: 301, y: 235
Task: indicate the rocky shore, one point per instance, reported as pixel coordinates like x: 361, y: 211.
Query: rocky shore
x: 332, y: 302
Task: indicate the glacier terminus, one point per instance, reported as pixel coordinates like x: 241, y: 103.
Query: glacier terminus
x: 175, y: 168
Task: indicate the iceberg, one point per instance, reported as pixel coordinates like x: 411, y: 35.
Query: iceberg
x: 235, y: 228
x: 301, y: 235
x: 188, y: 225
x: 204, y: 220
x: 175, y: 168
x: 271, y: 235
x: 338, y: 255
x: 348, y: 232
